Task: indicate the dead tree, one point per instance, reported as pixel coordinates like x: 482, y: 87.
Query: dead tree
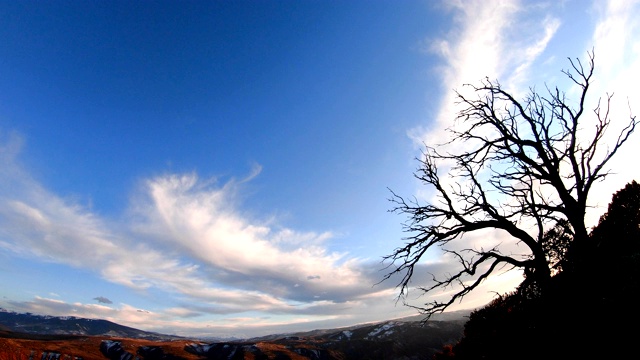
x: 526, y: 166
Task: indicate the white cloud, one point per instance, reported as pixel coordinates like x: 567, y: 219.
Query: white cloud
x: 186, y: 321
x: 489, y: 39
x: 616, y: 41
x: 190, y: 240
x: 530, y: 52
x: 471, y: 51
x: 56, y: 307
x: 201, y: 220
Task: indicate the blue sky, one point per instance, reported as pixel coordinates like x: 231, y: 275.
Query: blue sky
x: 222, y: 168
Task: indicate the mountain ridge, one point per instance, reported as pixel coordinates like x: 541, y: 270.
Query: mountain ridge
x: 30, y: 323
x: 79, y: 338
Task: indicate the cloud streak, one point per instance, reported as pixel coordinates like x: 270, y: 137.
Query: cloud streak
x: 498, y: 40
x: 197, y: 219
x: 616, y: 41
x: 188, y: 239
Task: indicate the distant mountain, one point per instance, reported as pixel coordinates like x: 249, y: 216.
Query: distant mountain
x: 406, y: 338
x: 454, y: 318
x: 70, y: 325
x: 78, y: 338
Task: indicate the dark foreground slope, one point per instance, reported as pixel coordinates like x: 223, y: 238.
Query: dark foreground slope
x: 586, y: 311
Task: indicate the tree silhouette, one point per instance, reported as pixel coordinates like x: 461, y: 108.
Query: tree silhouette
x: 526, y: 169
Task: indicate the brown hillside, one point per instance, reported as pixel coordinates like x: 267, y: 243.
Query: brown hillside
x: 19, y: 346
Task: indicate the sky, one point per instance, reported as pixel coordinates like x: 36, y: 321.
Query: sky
x: 222, y: 168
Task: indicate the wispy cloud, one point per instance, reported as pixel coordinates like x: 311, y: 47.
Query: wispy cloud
x: 496, y: 40
x: 200, y: 220
x: 191, y: 320
x: 616, y: 41
x: 57, y: 307
x: 191, y: 239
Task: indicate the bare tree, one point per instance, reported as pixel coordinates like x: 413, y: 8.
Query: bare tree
x: 529, y: 171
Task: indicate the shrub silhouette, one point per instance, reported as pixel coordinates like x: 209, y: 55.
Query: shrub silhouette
x: 589, y: 308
